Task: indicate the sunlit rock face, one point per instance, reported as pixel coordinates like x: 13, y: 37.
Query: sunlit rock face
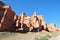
x: 9, y: 21
x: 52, y: 27
x: 27, y: 21
x: 35, y: 21
x: 41, y: 18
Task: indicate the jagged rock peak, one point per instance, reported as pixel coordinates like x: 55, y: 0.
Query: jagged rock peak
x: 23, y: 14
x: 41, y: 15
x: 34, y: 14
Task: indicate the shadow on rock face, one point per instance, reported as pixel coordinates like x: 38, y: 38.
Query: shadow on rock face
x: 41, y: 28
x: 47, y: 30
x: 25, y: 28
x: 21, y: 31
x: 34, y: 30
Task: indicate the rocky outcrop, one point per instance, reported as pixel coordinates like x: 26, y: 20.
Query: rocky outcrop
x: 9, y: 21
x: 6, y: 18
x: 41, y: 18
x: 51, y: 27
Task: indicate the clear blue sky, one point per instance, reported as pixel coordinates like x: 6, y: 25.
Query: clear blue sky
x: 50, y: 9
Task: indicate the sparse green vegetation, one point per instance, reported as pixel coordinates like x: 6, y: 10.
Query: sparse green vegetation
x: 43, y: 37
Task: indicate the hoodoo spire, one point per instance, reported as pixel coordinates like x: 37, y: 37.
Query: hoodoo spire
x: 23, y: 14
x: 34, y: 14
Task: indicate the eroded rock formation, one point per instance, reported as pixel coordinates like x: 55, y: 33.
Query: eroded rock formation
x: 52, y: 27
x: 6, y: 18
x: 9, y: 21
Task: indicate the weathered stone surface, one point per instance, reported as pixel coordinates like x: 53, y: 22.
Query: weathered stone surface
x: 35, y: 21
x: 41, y: 18
x: 52, y: 27
x: 1, y: 13
x: 6, y: 19
x: 9, y: 20
x: 1, y: 4
x: 27, y: 21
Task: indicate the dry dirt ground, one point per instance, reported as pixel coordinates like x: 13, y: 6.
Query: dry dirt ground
x: 30, y: 36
